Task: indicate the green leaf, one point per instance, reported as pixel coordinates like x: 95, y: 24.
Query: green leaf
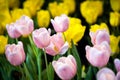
x: 91, y: 74
x: 51, y: 71
x: 79, y: 66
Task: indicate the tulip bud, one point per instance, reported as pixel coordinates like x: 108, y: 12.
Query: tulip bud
x: 41, y: 37
x: 12, y: 31
x: 24, y: 25
x: 15, y: 53
x: 57, y: 45
x: 99, y: 37
x: 117, y: 64
x: 65, y: 67
x: 60, y: 23
x: 105, y: 74
x: 98, y: 55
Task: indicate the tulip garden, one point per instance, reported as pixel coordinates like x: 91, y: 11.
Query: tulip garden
x: 59, y: 39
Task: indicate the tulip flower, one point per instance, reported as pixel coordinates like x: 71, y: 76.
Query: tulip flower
x: 99, y: 36
x: 15, y: 53
x: 57, y: 45
x: 12, y: 31
x: 105, y: 74
x: 65, y: 67
x: 60, y: 23
x: 98, y: 55
x: 24, y: 25
x: 41, y: 37
x: 117, y: 64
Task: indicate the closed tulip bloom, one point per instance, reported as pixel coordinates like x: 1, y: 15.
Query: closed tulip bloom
x: 65, y: 67
x: 57, y: 45
x: 60, y: 23
x: 25, y: 25
x: 117, y: 64
x: 99, y: 36
x: 98, y: 55
x: 15, y: 53
x: 12, y: 31
x: 41, y: 37
x: 105, y: 74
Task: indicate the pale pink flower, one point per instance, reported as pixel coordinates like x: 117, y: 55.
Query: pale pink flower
x: 15, y: 53
x: 57, y: 45
x: 117, y: 64
x: 24, y: 25
x: 99, y: 36
x: 60, y: 23
x: 117, y: 76
x: 12, y: 31
x: 65, y: 67
x: 98, y: 55
x: 41, y: 37
x: 105, y: 74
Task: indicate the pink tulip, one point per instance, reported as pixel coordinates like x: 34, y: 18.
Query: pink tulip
x: 65, y: 67
x: 99, y: 37
x: 60, y: 23
x: 15, y: 53
x: 105, y: 74
x: 12, y: 31
x: 41, y: 37
x: 24, y: 25
x: 117, y: 64
x: 98, y: 55
x: 118, y: 76
x: 57, y: 45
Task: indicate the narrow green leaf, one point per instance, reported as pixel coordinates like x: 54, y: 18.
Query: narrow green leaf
x: 79, y: 66
x: 51, y: 71
x: 91, y: 74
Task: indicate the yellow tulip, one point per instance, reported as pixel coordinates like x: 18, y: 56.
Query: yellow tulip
x: 17, y: 13
x: 95, y: 27
x: 114, y: 19
x: 75, y: 31
x: 70, y: 4
x: 33, y: 6
x: 3, y: 43
x: 43, y: 18
x: 115, y: 5
x: 90, y: 10
x: 5, y: 17
x: 58, y: 9
x: 114, y: 44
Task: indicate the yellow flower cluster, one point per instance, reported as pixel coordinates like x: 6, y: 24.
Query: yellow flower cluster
x: 65, y: 7
x: 3, y: 43
x: 17, y: 13
x: 95, y: 27
x: 43, y: 18
x: 90, y: 10
x: 75, y: 31
x: 114, y: 19
x: 33, y: 6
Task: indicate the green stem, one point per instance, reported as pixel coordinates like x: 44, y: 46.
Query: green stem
x: 16, y: 40
x: 32, y: 45
x: 27, y: 72
x: 38, y: 57
x: 39, y: 67
x: 46, y: 65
